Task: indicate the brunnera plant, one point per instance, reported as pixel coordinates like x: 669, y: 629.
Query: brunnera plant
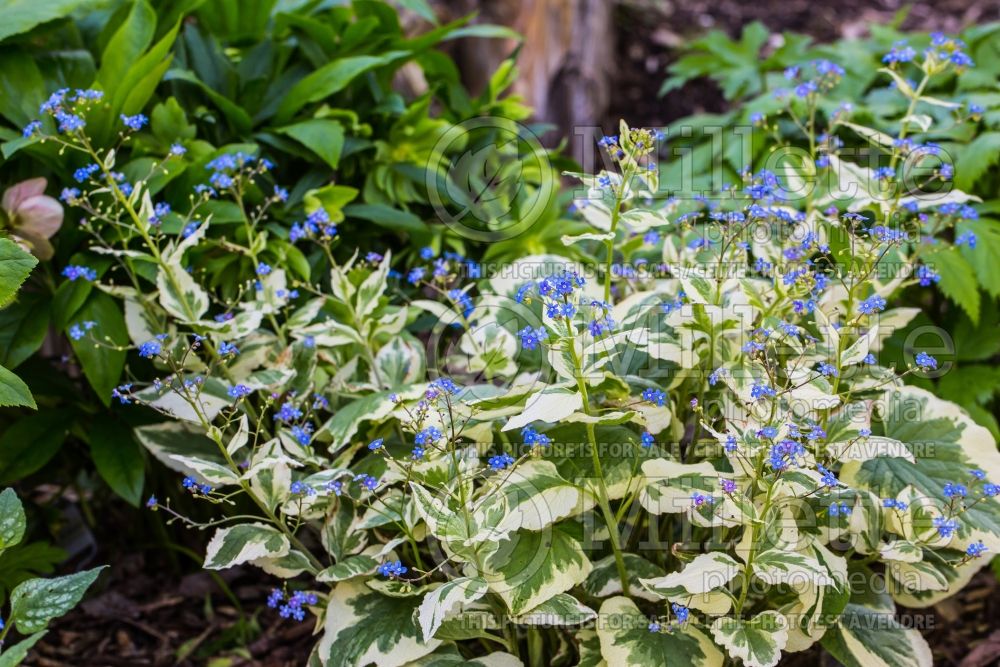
x: 684, y: 449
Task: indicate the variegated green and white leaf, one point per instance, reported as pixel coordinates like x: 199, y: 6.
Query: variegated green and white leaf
x: 446, y: 599
x: 239, y: 544
x: 537, y: 496
x: 758, y: 641
x: 866, y: 637
x: 531, y: 567
x: 362, y: 627
x: 562, y: 609
x: 701, y: 584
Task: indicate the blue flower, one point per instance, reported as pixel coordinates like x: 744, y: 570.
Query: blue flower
x: 427, y: 253
x: 239, y: 391
x: 375, y: 444
x: 150, y: 349
x: 69, y: 122
x: 134, y: 123
x: 946, y: 527
x: 654, y: 627
x: 952, y: 490
x: 31, y: 128
x: 839, y: 509
x: 966, y: 238
x: 303, y: 433
x: 392, y: 569
x: 926, y: 362
x: 871, y: 305
x: 976, y: 549
x: 501, y: 461
x: 760, y: 391
x: 534, y: 438
x: 926, y: 276
x: 647, y: 439
x: 655, y: 396
x: 122, y: 393
x: 428, y: 436
x: 177, y: 150
x: 287, y: 413
x: 827, y: 370
x: 532, y: 338
x: 74, y: 272
x: 828, y: 478
x: 275, y: 598
x: 728, y: 486
x: 900, y: 53
x: 151, y: 502
x: 681, y: 612
x: 263, y: 269
x: 228, y: 349
x: 78, y: 331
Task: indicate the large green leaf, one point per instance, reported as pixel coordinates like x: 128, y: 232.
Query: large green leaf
x: 13, y: 391
x: 323, y: 137
x: 329, y: 79
x: 15, y: 265
x: 102, y: 364
x: 18, y: 16
x: 30, y: 442
x: 23, y: 326
x: 35, y: 602
x: 958, y: 279
x: 974, y: 158
x: 118, y: 458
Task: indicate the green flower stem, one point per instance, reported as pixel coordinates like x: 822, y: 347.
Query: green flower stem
x: 609, y: 244
x: 602, y: 488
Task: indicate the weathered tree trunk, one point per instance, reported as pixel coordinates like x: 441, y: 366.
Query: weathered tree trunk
x: 566, y: 61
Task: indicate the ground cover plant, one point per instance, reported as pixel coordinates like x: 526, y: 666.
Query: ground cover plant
x: 533, y: 475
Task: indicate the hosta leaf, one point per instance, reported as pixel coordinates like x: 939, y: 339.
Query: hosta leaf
x: 758, y: 641
x: 867, y: 637
x: 529, y: 568
x: 447, y: 599
x: 363, y: 627
x: 246, y: 542
x: 626, y: 640
x: 35, y: 602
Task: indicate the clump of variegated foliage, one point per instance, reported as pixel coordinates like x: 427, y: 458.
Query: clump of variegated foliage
x: 671, y: 443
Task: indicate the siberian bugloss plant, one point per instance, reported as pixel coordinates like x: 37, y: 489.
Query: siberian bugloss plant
x: 683, y: 449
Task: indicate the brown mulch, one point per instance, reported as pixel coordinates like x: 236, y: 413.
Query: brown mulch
x: 141, y: 616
